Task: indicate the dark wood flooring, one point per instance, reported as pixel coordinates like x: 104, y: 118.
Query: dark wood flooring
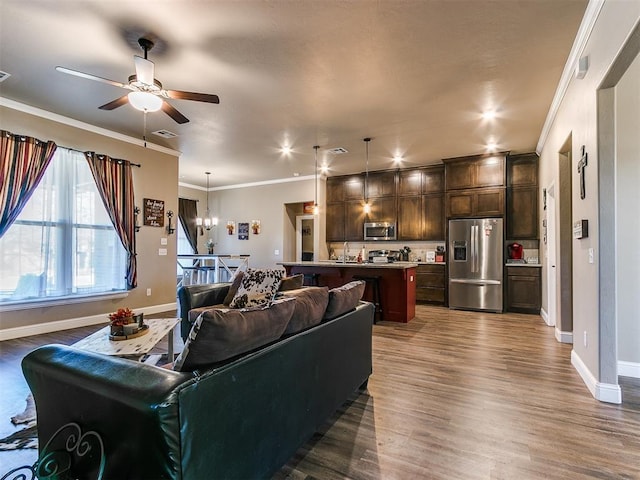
x: 454, y: 395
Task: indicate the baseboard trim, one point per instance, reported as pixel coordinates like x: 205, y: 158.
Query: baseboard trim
x: 604, y: 392
x: 40, y: 328
x: 564, y: 337
x: 545, y: 317
x: 628, y: 369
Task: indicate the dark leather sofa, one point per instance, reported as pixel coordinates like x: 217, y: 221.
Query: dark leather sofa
x: 241, y: 420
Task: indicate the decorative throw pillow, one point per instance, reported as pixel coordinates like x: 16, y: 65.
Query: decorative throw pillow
x: 220, y: 334
x: 311, y: 303
x: 258, y: 288
x: 344, y: 298
x: 233, y: 289
x: 293, y: 282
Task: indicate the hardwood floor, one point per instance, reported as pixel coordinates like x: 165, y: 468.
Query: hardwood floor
x: 454, y: 395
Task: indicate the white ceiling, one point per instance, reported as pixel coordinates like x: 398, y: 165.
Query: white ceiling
x: 413, y: 75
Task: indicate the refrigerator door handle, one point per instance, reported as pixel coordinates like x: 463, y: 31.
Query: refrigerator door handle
x: 473, y: 249
x: 471, y: 281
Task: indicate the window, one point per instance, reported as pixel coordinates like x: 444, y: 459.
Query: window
x: 63, y: 243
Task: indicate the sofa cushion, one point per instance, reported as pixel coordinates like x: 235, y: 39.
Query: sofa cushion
x: 293, y: 282
x: 343, y: 299
x: 233, y: 289
x: 220, y: 334
x: 258, y: 288
x: 194, y: 313
x: 311, y: 303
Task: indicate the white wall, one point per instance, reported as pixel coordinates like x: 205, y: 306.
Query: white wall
x: 577, y: 117
x: 628, y: 219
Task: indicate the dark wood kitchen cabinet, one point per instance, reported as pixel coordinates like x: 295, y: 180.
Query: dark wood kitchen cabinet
x: 522, y: 197
x: 345, y: 213
x: 383, y: 209
x: 430, y: 283
x: 410, y: 218
x: 524, y: 287
x: 475, y: 202
x: 421, y: 204
x: 474, y: 172
x: 381, y: 184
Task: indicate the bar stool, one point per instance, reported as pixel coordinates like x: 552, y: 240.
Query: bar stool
x: 372, y: 282
x: 311, y: 279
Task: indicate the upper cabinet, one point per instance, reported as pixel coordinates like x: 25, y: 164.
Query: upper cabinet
x: 522, y: 197
x: 421, y: 204
x: 345, y: 215
x: 474, y: 172
x: 475, y: 186
x: 381, y: 184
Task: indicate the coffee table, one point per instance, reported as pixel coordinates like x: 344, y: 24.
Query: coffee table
x: 158, y: 328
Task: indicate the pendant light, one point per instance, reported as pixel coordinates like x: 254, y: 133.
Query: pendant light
x: 367, y: 206
x: 207, y: 222
x: 316, y: 209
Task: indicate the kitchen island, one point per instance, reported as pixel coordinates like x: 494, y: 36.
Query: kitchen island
x: 397, y: 282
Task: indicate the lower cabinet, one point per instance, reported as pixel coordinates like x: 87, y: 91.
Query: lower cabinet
x: 524, y: 289
x: 430, y: 284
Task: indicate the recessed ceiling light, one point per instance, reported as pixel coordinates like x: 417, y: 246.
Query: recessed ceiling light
x: 489, y: 114
x: 296, y: 174
x: 492, y: 146
x: 286, y: 150
x: 397, y: 158
x: 324, y: 168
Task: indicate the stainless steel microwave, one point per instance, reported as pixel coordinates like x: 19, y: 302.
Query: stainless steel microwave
x: 380, y: 231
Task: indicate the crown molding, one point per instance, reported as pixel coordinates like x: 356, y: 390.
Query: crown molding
x: 584, y: 32
x: 38, y: 112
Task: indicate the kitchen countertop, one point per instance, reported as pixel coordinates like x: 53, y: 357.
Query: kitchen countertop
x: 524, y: 265
x: 333, y: 263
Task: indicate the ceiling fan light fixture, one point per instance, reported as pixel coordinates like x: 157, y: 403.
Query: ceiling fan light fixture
x: 145, y: 101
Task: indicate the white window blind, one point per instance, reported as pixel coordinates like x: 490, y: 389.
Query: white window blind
x: 63, y: 243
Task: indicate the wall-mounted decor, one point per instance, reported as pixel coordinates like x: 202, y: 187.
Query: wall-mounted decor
x: 307, y: 208
x: 582, y: 164
x: 231, y: 226
x: 153, y: 212
x: 243, y: 231
x: 255, y: 227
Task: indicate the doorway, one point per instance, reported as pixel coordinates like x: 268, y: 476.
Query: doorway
x: 307, y: 239
x: 564, y: 246
x: 549, y: 239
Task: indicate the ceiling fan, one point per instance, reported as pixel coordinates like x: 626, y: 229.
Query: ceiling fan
x: 146, y: 93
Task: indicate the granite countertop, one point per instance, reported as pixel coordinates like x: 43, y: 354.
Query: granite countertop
x: 431, y: 263
x: 334, y: 263
x: 523, y: 265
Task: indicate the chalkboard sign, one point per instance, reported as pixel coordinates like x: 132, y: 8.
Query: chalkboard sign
x: 153, y: 212
x: 243, y: 231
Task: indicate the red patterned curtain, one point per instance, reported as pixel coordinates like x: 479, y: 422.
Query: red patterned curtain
x: 115, y: 184
x: 23, y: 161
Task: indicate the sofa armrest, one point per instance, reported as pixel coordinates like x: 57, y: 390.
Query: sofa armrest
x: 194, y: 296
x: 119, y: 399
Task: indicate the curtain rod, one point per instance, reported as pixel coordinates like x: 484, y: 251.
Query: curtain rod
x: 119, y: 160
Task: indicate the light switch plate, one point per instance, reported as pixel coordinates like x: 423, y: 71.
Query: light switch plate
x: 163, y: 241
x: 162, y: 252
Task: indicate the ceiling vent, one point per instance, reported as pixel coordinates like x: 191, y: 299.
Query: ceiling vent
x: 337, y: 151
x: 4, y: 76
x: 165, y: 134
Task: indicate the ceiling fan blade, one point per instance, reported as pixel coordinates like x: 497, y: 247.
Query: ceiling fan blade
x: 198, y: 97
x: 173, y: 113
x: 144, y: 70
x: 118, y: 102
x: 88, y: 76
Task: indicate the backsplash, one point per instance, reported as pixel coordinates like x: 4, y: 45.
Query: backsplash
x: 418, y: 249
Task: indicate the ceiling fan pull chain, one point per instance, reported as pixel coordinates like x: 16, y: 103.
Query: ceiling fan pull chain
x: 144, y: 129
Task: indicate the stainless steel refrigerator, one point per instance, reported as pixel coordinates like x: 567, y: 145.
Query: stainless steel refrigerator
x: 476, y: 264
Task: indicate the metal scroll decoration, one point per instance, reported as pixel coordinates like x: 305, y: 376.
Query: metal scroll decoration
x: 582, y: 164
x: 57, y: 464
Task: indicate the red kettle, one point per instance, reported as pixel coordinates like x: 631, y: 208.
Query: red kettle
x: 515, y: 251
